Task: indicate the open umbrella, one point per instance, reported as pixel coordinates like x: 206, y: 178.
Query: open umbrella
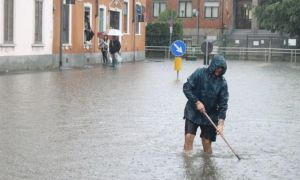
x: 114, y: 32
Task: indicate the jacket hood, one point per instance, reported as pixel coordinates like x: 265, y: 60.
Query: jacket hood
x: 217, y: 61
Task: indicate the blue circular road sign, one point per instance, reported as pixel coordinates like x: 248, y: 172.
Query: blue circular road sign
x: 178, y: 48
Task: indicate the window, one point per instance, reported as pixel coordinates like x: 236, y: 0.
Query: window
x: 185, y: 9
x: 38, y: 33
x: 211, y: 9
x: 66, y: 24
x: 125, y: 17
x: 138, y: 14
x: 8, y: 21
x: 87, y: 22
x: 114, y: 20
x: 211, y: 12
x: 158, y: 7
x: 102, y: 19
x: 137, y: 27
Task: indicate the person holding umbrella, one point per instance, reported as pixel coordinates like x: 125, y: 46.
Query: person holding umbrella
x: 114, y: 48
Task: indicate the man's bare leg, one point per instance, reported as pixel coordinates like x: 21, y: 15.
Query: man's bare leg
x: 207, y: 146
x: 188, y: 142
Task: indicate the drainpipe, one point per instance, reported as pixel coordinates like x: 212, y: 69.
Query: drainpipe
x: 95, y: 26
x: 133, y: 24
x: 61, y: 33
x: 198, y: 22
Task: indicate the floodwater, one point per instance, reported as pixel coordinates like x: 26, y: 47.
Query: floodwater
x: 126, y: 124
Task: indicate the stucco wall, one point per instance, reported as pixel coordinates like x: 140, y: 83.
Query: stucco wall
x: 24, y: 23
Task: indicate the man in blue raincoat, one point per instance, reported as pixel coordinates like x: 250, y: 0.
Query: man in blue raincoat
x: 206, y: 90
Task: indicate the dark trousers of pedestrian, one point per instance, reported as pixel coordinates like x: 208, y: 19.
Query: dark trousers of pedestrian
x: 104, y: 57
x: 114, y: 59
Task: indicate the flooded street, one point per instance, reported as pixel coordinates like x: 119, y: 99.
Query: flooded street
x: 126, y: 124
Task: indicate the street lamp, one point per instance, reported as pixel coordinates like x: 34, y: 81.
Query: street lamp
x: 171, y: 22
x: 196, y: 14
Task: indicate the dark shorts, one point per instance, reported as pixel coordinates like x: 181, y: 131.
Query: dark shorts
x: 207, y: 132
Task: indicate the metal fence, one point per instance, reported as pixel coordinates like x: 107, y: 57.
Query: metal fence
x: 265, y: 54
x: 237, y: 53
x: 241, y: 45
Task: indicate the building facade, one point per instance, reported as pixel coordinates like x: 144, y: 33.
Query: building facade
x: 26, y: 32
x: 208, y: 17
x: 30, y: 32
x: 102, y: 17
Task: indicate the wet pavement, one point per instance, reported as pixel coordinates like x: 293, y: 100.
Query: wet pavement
x: 126, y: 123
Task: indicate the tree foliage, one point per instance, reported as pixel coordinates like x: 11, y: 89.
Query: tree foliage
x: 280, y: 15
x: 167, y: 16
x: 158, y: 32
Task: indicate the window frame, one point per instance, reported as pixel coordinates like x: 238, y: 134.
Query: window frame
x: 120, y: 19
x: 9, y: 38
x: 90, y: 6
x: 159, y: 8
x: 212, y: 6
x: 104, y: 18
x: 185, y: 9
x: 38, y: 20
x: 127, y: 24
x: 70, y: 26
x: 137, y: 23
x: 211, y: 12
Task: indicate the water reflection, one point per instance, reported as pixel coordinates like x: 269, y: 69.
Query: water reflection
x: 200, y: 166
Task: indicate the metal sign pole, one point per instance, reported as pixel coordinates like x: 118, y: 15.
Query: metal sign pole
x: 171, y: 31
x: 206, y: 53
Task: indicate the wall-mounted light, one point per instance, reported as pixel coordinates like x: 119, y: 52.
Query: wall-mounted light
x: 195, y: 12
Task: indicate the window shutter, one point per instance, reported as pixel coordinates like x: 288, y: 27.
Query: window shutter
x: 40, y: 35
x: 65, y: 19
x: 8, y: 21
x: 5, y: 21
x: 11, y: 21
x: 36, y: 21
